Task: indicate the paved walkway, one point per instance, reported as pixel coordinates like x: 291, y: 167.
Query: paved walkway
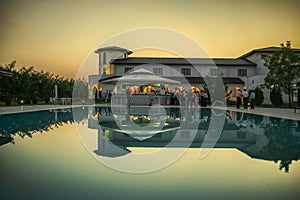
x: 19, y: 109
x: 275, y: 112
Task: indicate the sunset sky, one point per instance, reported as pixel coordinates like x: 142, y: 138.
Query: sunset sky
x: 57, y: 35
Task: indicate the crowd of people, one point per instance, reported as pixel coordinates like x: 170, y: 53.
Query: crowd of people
x: 193, y: 98
x: 245, y: 97
x: 190, y: 98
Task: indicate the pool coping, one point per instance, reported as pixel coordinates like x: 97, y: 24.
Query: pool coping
x: 284, y: 113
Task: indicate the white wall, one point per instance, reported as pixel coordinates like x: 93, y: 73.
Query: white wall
x: 110, y: 55
x: 232, y: 71
x: 175, y: 70
x: 92, y: 80
x: 256, y: 58
x: 171, y: 70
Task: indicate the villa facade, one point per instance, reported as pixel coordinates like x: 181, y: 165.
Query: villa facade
x: 247, y: 70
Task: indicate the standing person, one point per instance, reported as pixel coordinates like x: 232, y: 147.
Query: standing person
x: 190, y: 99
x: 163, y: 91
x: 186, y: 98
x: 128, y: 95
x: 197, y: 97
x: 181, y: 98
x: 201, y: 98
x: 109, y: 94
x: 238, y: 98
x: 204, y: 98
x: 152, y: 96
x: 252, y: 99
x: 245, y: 98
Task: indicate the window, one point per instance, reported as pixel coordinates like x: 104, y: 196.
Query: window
x: 127, y: 69
x: 214, y: 72
x: 186, y: 71
x: 104, y: 58
x: 242, y: 72
x: 158, y: 71
x: 252, y: 82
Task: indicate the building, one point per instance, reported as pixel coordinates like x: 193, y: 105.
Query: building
x: 247, y: 70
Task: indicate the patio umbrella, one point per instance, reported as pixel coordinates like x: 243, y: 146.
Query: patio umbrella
x: 55, y: 92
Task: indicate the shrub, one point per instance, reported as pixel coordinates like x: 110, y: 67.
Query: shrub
x: 7, y: 99
x: 259, y: 96
x: 276, y: 97
x: 34, y: 100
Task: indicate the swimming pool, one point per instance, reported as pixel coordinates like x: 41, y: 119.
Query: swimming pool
x: 43, y: 156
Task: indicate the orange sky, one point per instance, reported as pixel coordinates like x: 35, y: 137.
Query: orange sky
x: 58, y: 35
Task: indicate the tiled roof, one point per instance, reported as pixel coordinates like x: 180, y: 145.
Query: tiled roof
x: 185, y: 61
x: 115, y: 48
x: 107, y: 77
x: 233, y: 62
x: 266, y: 50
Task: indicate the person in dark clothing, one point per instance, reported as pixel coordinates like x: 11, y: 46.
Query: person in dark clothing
x: 252, y: 99
x: 128, y: 95
x: 204, y: 98
x: 238, y: 99
x: 245, y: 98
x: 152, y: 96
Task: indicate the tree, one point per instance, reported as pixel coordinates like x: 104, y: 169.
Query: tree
x: 7, y: 83
x: 28, y: 85
x: 80, y: 89
x: 284, y: 69
x: 259, y: 96
x: 276, y: 96
x: 283, y: 144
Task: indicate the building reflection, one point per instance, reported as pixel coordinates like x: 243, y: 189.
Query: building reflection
x: 121, y: 129
x: 260, y: 137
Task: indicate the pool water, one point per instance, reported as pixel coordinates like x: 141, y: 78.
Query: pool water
x: 53, y: 154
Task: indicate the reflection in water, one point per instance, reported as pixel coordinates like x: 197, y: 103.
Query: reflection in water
x: 28, y: 123
x: 259, y: 137
x: 283, y: 141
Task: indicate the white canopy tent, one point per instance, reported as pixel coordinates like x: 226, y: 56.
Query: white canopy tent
x: 140, y: 77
